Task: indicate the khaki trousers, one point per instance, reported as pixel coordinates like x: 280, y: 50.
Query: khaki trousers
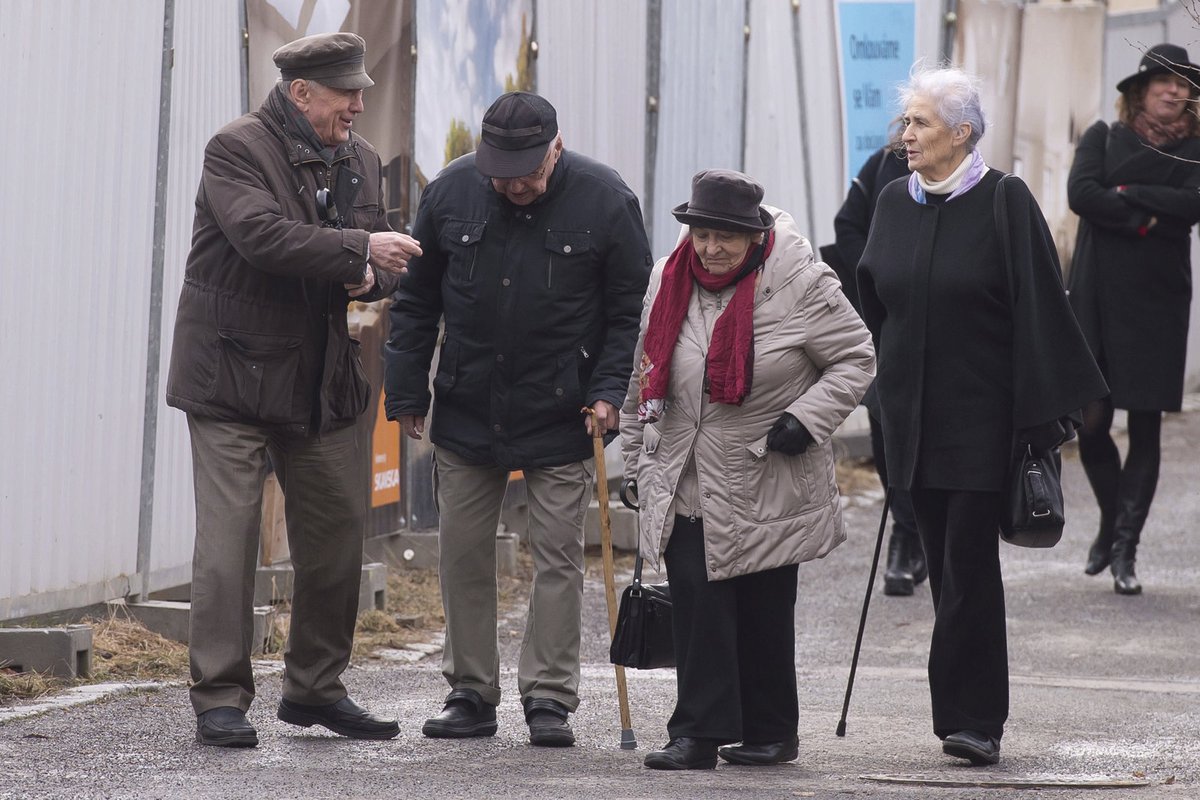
x: 325, y: 500
x: 469, y: 497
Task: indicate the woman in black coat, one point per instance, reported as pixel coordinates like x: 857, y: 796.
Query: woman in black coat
x: 978, y: 353
x: 1135, y: 187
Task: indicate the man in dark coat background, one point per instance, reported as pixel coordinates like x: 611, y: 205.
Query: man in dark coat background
x: 538, y: 260
x: 290, y: 225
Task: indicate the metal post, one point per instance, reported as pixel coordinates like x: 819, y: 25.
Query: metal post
x: 653, y: 54
x: 154, y: 333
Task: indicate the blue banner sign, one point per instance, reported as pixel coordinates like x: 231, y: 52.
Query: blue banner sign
x: 875, y: 52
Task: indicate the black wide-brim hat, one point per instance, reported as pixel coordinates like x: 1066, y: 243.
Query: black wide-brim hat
x: 1162, y: 59
x: 725, y: 200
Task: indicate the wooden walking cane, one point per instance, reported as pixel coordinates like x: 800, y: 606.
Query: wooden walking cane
x: 628, y: 739
x: 862, y: 623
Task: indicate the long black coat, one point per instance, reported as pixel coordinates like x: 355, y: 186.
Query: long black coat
x: 968, y: 355
x: 541, y: 306
x: 1131, y: 286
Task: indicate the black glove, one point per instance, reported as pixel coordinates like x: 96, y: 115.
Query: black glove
x: 629, y: 493
x: 1048, y: 435
x: 788, y: 436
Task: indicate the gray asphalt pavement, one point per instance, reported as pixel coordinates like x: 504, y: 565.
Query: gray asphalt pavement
x: 1104, y: 688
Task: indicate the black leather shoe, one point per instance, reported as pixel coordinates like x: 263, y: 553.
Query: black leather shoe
x: 684, y: 753
x: 225, y: 726
x: 976, y: 747
x: 547, y: 720
x: 761, y: 754
x: 465, y: 715
x: 345, y: 717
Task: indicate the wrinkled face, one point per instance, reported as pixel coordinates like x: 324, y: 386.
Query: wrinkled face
x: 330, y: 111
x: 1166, y: 97
x: 722, y: 251
x: 934, y: 149
x: 524, y: 190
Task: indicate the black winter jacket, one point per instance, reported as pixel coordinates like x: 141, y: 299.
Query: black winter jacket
x: 541, y: 306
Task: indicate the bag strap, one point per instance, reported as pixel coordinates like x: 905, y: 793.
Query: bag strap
x: 1000, y: 211
x: 637, y: 571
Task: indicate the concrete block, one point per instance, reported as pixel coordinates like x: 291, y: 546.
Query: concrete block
x: 372, y: 589
x: 170, y: 620
x: 273, y: 584
x: 417, y: 549
x: 624, y: 524
x: 506, y: 553
x: 64, y: 652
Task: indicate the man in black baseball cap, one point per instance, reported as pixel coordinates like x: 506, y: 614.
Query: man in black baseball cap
x: 538, y: 269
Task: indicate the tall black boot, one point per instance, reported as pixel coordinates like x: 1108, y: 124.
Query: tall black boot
x: 898, y: 579
x: 1124, y: 555
x: 1139, y: 479
x: 1100, y: 553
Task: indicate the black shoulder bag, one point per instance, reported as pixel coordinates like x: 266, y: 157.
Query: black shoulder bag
x: 1033, y: 515
x: 643, y: 636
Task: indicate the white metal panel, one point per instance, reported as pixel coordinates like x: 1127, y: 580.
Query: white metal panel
x: 206, y: 93
x: 774, y: 152
x: 592, y: 67
x: 700, y: 103
x: 78, y: 217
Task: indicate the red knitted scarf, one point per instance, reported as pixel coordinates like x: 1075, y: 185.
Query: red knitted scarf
x: 730, y: 360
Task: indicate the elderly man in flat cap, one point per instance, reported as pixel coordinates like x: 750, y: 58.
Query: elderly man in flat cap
x: 290, y: 225
x: 537, y: 258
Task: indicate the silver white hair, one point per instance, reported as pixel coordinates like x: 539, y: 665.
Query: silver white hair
x: 954, y: 93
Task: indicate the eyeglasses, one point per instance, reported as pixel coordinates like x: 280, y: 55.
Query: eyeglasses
x: 532, y: 177
x: 327, y: 209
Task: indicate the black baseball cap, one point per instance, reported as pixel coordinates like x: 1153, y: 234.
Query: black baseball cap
x: 516, y: 130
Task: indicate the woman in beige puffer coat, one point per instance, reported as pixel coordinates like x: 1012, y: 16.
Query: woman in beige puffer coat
x: 749, y: 358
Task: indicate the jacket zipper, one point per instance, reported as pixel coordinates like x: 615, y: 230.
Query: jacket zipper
x: 550, y: 274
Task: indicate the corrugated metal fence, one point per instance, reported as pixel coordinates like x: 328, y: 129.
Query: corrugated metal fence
x: 95, y: 473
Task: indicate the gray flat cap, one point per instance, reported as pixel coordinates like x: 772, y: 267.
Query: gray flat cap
x: 332, y: 59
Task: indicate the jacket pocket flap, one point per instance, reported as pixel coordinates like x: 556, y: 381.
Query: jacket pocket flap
x: 463, y: 231
x: 758, y: 448
x: 259, y: 344
x: 568, y: 243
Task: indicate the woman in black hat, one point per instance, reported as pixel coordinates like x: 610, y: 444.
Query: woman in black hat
x: 749, y: 358
x: 1136, y: 187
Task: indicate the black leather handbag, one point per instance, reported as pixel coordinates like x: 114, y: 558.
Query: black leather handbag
x: 643, y: 636
x: 1034, y: 516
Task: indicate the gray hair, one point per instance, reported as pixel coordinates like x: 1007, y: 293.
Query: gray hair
x: 954, y: 92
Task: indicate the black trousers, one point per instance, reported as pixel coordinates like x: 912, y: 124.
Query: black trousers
x: 968, y: 655
x: 735, y: 647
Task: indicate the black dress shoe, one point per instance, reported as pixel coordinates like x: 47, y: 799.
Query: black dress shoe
x: 465, y: 715
x: 684, y: 753
x: 345, y: 717
x: 761, y: 754
x: 976, y: 747
x: 225, y: 727
x: 547, y: 720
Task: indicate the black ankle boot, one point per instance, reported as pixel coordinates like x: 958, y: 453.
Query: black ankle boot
x: 916, y: 560
x: 898, y: 579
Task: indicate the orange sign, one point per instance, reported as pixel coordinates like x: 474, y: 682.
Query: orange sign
x: 385, y: 459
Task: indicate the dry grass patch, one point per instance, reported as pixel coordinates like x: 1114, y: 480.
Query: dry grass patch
x: 125, y: 650
x: 857, y: 476
x: 26, y: 685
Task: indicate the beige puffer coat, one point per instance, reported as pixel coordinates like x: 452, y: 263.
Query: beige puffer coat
x: 813, y: 359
